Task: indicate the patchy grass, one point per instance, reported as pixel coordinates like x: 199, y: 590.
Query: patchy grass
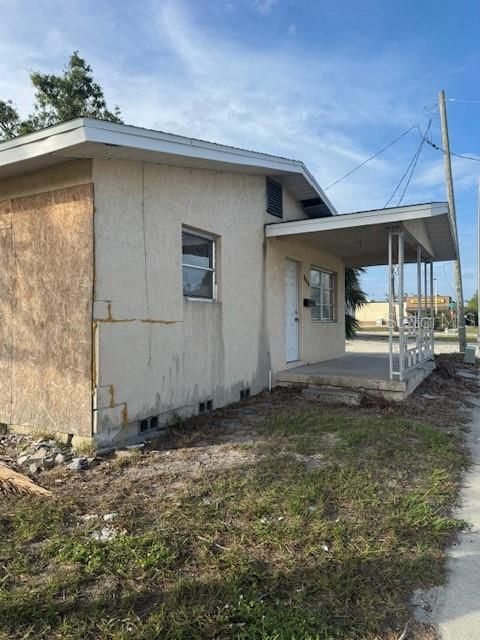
x: 333, y: 519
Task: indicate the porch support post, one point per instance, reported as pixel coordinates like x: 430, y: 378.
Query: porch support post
x: 391, y: 303
x: 432, y: 312
x: 419, y: 302
x: 426, y: 352
x: 400, y: 303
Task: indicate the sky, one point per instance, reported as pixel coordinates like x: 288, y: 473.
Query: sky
x: 329, y: 82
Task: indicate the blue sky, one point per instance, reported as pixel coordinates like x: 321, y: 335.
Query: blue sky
x: 329, y: 82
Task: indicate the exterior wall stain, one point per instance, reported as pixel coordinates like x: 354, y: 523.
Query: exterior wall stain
x: 163, y: 354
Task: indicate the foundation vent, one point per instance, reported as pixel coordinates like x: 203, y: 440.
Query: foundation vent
x: 245, y: 394
x: 148, y: 424
x: 205, y: 407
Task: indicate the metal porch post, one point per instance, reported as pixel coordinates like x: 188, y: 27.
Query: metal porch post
x: 432, y: 312
x: 419, y: 301
x: 391, y: 303
x: 425, y: 290
x: 400, y: 304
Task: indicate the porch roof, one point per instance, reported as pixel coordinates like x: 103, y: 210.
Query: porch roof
x: 361, y: 238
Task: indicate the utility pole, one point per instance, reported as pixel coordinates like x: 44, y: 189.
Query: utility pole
x: 457, y: 269
x: 478, y: 264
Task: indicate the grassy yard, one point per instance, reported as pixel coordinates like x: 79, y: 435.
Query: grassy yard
x: 303, y: 523
x: 322, y: 531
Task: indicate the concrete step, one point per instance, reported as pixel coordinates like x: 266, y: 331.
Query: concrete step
x: 332, y: 395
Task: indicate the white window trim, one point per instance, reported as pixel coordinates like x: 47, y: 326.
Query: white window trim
x: 334, y: 295
x: 212, y: 269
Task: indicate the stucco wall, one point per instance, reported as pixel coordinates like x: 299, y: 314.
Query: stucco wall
x: 317, y: 340
x: 158, y: 354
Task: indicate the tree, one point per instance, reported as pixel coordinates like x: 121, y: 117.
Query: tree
x: 354, y: 299
x: 472, y: 304
x: 58, y: 98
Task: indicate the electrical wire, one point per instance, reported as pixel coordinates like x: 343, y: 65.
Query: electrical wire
x: 415, y: 162
x: 411, y: 166
x: 463, y: 100
x: 359, y: 166
x: 457, y: 155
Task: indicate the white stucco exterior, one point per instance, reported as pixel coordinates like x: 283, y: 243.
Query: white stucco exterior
x: 160, y: 354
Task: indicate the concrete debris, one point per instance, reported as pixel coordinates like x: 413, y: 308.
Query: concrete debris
x: 75, y: 465
x: 108, y: 517
x: 135, y: 447
x: 34, y: 468
x: 33, y: 455
x: 467, y: 375
x: 105, y: 534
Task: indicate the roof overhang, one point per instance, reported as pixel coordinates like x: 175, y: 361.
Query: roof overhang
x: 361, y: 238
x: 90, y: 138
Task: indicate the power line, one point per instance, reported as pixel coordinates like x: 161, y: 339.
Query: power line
x: 411, y: 165
x: 464, y: 100
x: 424, y: 139
x: 457, y: 155
x: 349, y: 173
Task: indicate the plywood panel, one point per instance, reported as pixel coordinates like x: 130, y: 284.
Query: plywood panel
x: 53, y: 276
x: 5, y: 312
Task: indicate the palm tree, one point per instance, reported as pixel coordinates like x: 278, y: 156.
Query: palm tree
x: 354, y: 299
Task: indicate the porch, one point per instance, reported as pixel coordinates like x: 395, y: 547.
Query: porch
x: 366, y: 372
x: 416, y: 235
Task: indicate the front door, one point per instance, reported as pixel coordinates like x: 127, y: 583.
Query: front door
x: 291, y: 311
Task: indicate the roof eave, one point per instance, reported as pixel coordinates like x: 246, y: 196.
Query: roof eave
x: 66, y: 141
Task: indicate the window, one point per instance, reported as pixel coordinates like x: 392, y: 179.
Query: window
x: 274, y: 198
x: 322, y: 285
x: 198, y: 266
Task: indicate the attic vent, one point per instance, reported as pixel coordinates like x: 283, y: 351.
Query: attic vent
x: 274, y: 198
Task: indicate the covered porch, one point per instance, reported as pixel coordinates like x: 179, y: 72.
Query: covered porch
x: 365, y: 372
x: 415, y: 234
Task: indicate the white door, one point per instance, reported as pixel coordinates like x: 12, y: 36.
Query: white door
x: 291, y: 311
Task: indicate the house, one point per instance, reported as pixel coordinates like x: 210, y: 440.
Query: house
x: 374, y: 313
x: 146, y: 276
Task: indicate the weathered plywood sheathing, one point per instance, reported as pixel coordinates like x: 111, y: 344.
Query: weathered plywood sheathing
x: 48, y: 270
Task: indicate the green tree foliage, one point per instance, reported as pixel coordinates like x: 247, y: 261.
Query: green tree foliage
x: 58, y: 98
x: 354, y: 299
x: 472, y: 304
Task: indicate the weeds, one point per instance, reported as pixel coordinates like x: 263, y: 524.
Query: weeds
x: 322, y: 535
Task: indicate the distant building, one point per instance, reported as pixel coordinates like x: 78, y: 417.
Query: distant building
x: 440, y: 303
x: 375, y: 313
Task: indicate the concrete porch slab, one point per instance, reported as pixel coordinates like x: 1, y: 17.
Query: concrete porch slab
x: 366, y: 372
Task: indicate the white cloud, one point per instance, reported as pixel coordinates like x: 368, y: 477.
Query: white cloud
x: 331, y: 110
x: 264, y: 6
x: 292, y: 30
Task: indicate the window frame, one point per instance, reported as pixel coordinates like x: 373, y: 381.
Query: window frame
x: 213, y: 269
x: 333, y: 290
